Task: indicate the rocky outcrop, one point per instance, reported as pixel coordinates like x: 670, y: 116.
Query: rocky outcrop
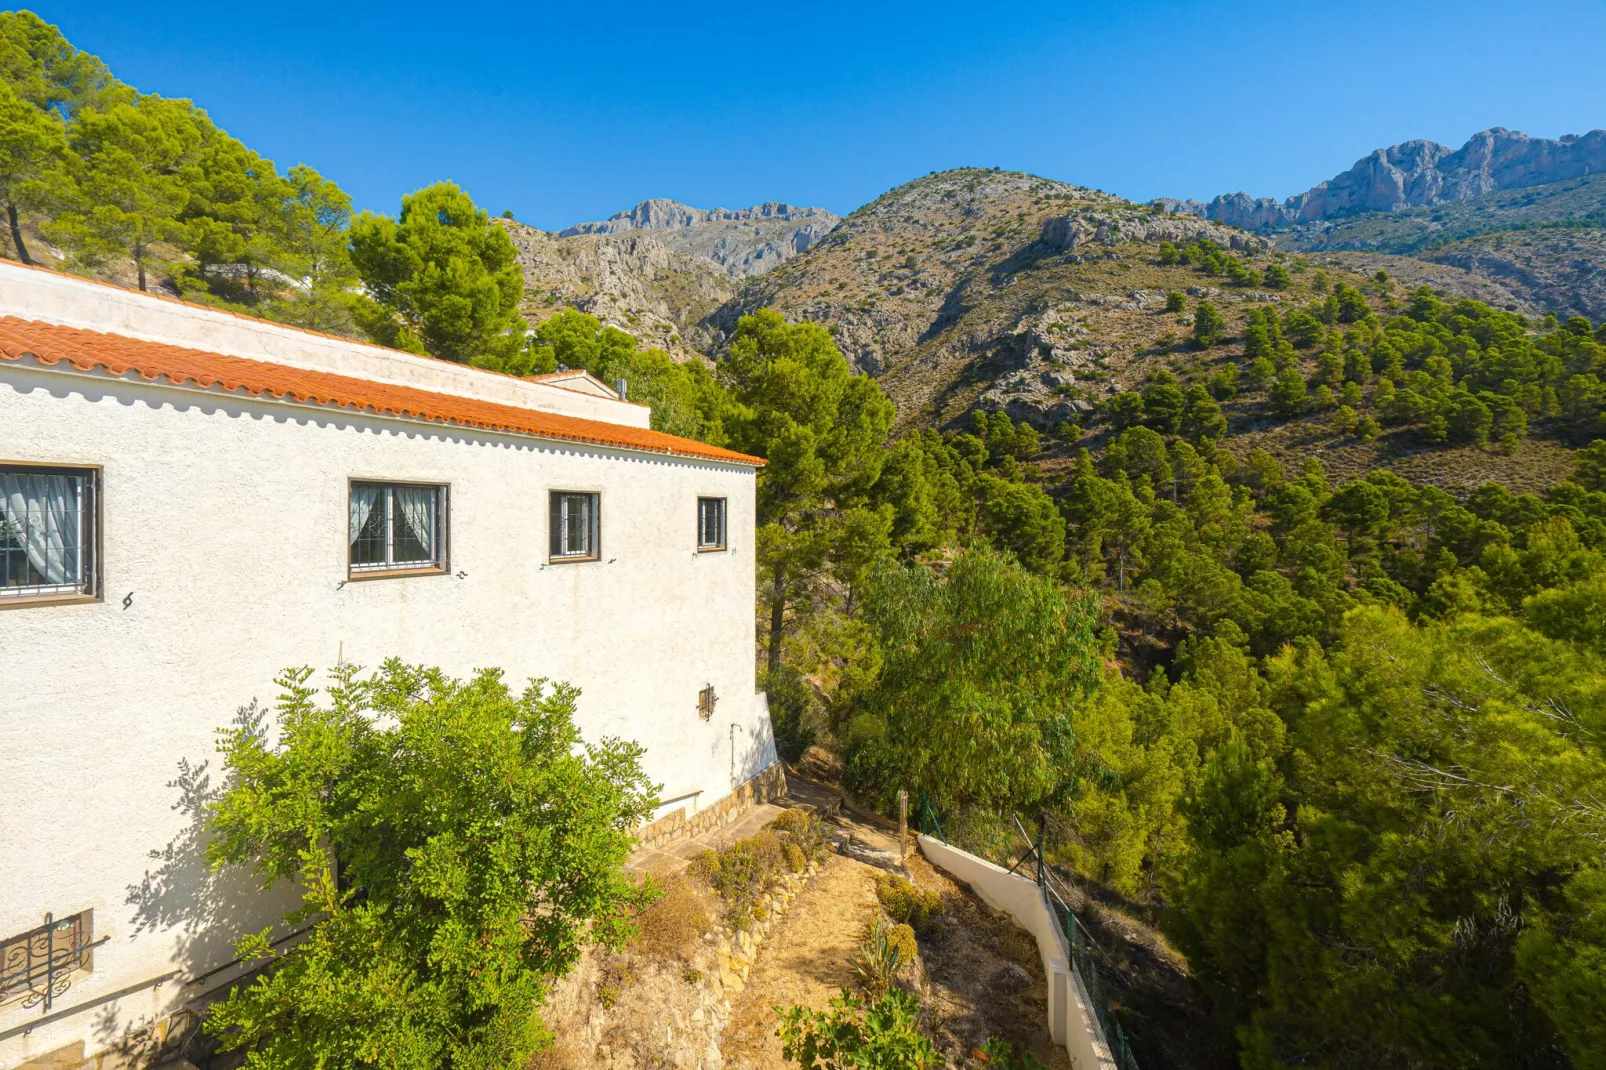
x: 742, y: 241
x: 631, y: 280
x: 1064, y: 233
x: 1417, y: 174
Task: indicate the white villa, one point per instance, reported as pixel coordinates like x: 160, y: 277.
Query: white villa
x: 192, y: 501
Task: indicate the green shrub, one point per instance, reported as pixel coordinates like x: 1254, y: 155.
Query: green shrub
x: 1002, y: 1054
x: 884, y: 1035
x: 705, y: 866
x: 903, y: 902
x: 796, y: 860
x: 902, y: 937
x: 746, y: 869
x: 487, y: 797
x: 793, y: 821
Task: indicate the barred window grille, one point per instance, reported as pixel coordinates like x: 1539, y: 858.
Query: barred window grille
x: 705, y: 702
x: 47, y: 531
x: 38, y: 966
x: 576, y: 520
x: 396, y: 526
x: 710, y: 523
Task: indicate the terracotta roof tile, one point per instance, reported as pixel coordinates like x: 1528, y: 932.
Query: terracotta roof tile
x: 117, y: 355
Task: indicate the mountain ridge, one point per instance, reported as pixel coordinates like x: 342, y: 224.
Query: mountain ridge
x: 742, y: 241
x: 1415, y: 174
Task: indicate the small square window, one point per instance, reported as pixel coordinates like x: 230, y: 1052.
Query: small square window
x: 705, y: 702
x: 48, y: 519
x: 710, y: 523
x: 575, y: 519
x: 397, y: 527
x: 41, y: 964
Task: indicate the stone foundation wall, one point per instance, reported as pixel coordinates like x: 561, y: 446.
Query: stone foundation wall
x: 765, y: 787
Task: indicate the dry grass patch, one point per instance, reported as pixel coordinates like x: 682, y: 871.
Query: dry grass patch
x: 672, y: 926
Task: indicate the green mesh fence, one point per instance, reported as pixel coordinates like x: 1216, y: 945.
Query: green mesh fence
x: 1004, y: 840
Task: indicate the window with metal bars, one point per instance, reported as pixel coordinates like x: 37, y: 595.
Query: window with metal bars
x: 576, y: 520
x: 48, y: 519
x: 40, y: 965
x: 397, y: 527
x: 705, y: 702
x: 710, y: 523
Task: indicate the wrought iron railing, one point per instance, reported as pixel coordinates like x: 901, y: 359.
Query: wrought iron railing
x: 39, y: 965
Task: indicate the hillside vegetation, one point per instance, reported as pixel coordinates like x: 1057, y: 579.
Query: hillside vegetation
x: 1544, y: 243
x: 1271, y: 584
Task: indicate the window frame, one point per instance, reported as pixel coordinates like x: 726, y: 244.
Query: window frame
x: 595, y: 527
x: 93, y: 587
x: 443, y: 540
x: 724, y: 525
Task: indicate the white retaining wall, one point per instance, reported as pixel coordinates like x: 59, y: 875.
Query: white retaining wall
x: 1071, y: 1020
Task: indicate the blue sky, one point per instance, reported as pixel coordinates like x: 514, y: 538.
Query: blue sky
x: 564, y: 112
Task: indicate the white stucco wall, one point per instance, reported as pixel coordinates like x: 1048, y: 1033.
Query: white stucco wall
x: 225, y: 518
x: 51, y: 297
x: 1071, y: 1020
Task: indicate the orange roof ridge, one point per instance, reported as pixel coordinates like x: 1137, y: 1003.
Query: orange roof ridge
x: 118, y: 355
x: 261, y: 320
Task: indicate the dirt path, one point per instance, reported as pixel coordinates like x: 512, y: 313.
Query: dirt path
x: 803, y: 961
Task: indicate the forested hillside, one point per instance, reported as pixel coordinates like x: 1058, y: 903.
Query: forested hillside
x: 1273, y: 582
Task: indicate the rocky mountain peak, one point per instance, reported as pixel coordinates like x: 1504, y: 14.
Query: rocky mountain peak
x: 742, y: 241
x: 1416, y: 174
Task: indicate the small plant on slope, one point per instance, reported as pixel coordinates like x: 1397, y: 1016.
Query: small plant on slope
x: 879, y: 959
x: 883, y: 1035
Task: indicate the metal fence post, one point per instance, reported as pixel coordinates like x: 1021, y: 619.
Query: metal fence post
x: 1042, y: 835
x: 903, y: 825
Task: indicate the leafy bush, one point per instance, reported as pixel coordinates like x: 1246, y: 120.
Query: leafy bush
x: 1208, y: 325
x: 705, y: 866
x: 1017, y: 656
x: 902, y: 937
x: 796, y: 860
x: 485, y: 839
x: 903, y: 902
x: 885, y: 1035
x: 801, y: 829
x: 1002, y: 1054
x: 747, y: 868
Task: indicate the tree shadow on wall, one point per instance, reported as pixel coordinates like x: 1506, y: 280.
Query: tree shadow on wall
x: 753, y: 750
x: 204, y: 911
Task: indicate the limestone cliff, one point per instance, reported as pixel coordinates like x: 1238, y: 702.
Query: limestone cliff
x: 630, y: 279
x: 743, y: 241
x: 1417, y: 174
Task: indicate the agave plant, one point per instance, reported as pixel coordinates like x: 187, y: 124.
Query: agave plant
x: 878, y: 960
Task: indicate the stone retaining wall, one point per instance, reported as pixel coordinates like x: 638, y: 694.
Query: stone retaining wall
x: 767, y: 786
x: 737, y: 949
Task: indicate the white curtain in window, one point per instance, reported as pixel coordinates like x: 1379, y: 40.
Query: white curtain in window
x: 417, y: 508
x: 40, y: 511
x: 362, y: 504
